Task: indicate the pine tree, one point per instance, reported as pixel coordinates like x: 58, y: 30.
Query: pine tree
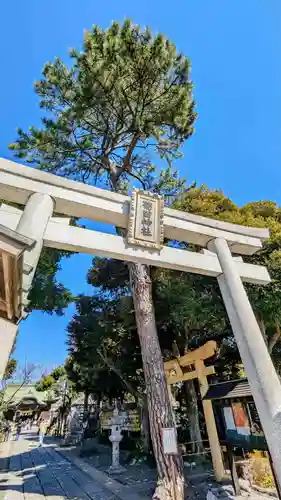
x: 125, y: 101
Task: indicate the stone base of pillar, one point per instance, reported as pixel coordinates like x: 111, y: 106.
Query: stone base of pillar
x: 116, y: 469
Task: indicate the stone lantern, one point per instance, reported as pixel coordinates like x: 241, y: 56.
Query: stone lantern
x: 115, y: 438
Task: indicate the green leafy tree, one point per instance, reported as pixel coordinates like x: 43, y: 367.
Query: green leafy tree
x: 188, y: 312
x: 99, y: 341
x: 266, y: 300
x: 10, y: 368
x: 52, y: 380
x: 126, y: 100
x: 47, y: 294
x: 58, y: 373
x: 45, y: 383
x: 105, y: 357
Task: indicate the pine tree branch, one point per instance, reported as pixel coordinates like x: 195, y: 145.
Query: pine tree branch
x: 116, y: 370
x: 127, y: 158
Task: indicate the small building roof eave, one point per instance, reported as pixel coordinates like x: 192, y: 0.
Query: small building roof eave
x: 229, y: 389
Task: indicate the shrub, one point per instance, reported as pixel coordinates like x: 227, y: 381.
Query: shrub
x: 262, y: 473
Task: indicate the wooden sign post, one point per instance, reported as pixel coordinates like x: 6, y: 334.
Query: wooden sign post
x: 175, y: 372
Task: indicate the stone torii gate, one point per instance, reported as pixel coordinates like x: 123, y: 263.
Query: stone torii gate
x: 176, y: 371
x: 23, y: 234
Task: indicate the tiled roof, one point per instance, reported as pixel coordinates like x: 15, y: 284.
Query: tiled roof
x: 15, y: 393
x: 230, y: 389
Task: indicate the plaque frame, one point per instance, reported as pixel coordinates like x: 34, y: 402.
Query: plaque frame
x: 157, y: 199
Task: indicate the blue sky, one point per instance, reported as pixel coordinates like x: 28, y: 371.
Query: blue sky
x: 234, y: 48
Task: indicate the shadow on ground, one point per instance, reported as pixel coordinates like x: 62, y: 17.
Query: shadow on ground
x: 43, y: 472
x: 36, y: 473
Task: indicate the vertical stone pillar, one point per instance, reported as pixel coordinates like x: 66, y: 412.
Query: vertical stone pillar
x: 33, y: 223
x: 115, y: 455
x: 210, y: 422
x: 263, y: 379
x: 8, y: 332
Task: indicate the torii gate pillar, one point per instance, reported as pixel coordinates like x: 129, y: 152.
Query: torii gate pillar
x: 262, y: 376
x: 18, y: 275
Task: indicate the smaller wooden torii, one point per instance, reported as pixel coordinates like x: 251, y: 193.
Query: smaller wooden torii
x: 192, y: 366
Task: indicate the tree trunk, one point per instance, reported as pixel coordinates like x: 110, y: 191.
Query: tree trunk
x: 274, y: 339
x: 86, y: 401
x: 262, y: 329
x: 170, y: 485
x: 193, y: 417
x: 145, y: 430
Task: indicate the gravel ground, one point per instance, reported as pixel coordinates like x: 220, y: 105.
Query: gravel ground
x: 142, y: 478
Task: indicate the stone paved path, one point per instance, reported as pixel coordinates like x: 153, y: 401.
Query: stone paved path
x: 43, y: 474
